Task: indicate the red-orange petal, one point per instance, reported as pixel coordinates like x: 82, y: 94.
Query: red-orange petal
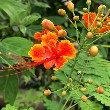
x: 49, y: 64
x: 58, y: 27
x: 60, y: 63
x: 37, y: 52
x: 37, y: 36
x: 47, y: 37
x: 89, y: 19
x: 103, y: 29
x: 66, y: 48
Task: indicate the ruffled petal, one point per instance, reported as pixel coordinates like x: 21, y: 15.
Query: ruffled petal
x: 37, y: 36
x: 66, y: 48
x: 49, y: 64
x: 60, y: 63
x: 47, y: 37
x: 37, y: 52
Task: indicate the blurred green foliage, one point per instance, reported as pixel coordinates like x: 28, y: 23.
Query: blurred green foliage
x: 19, y: 20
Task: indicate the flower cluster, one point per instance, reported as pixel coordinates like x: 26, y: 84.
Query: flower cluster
x: 52, y: 51
x: 97, y: 22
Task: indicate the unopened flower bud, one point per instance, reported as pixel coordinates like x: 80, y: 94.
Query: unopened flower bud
x: 100, y: 8
x: 0, y: 53
x: 99, y: 24
x: 98, y: 19
x: 108, y: 23
x: 62, y: 33
x: 100, y: 90
x: 90, y: 81
x: 47, y: 92
x: 93, y: 51
x: 85, y: 9
x: 53, y: 78
x: 76, y: 18
x: 83, y: 89
x: 62, y: 12
x: 70, y: 6
x: 89, y: 35
x: 9, y: 53
x: 47, y: 24
x: 84, y: 98
x: 88, y: 2
x: 104, y: 7
x: 63, y: 93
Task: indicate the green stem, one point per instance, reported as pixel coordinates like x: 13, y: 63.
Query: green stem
x: 5, y: 61
x: 66, y: 102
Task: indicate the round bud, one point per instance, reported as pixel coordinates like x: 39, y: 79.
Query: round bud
x: 79, y: 72
x: 99, y: 24
x: 100, y: 90
x: 47, y: 24
x: 104, y: 6
x: 76, y: 18
x: 90, y: 81
x: 98, y: 19
x: 62, y: 12
x: 53, y: 78
x: 70, y: 6
x: 85, y: 9
x: 88, y: 2
x: 62, y: 33
x: 89, y: 35
x: 70, y: 79
x: 84, y: 98
x: 108, y: 23
x: 47, y: 92
x: 93, y: 51
x: 63, y: 93
x: 83, y: 89
x: 9, y: 53
x: 0, y: 53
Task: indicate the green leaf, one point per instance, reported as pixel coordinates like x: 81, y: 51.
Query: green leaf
x: 3, y: 26
x: 106, y: 2
x: 9, y: 107
x: 52, y: 105
x: 41, y: 4
x: 57, y: 20
x: 25, y: 98
x: 61, y: 76
x: 80, y: 5
x: 17, y: 45
x: 22, y: 29
x: 90, y: 105
x: 12, y: 8
x: 9, y: 85
x: 30, y: 19
x: 32, y: 29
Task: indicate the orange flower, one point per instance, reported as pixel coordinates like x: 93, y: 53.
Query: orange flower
x: 89, y: 20
x: 105, y: 27
x: 91, y: 23
x: 51, y: 52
